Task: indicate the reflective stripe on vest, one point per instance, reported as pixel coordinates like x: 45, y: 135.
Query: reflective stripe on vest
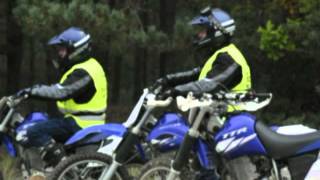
x: 96, y: 105
x: 233, y: 51
x: 83, y: 122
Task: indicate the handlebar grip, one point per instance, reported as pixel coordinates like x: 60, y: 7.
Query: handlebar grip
x: 160, y: 103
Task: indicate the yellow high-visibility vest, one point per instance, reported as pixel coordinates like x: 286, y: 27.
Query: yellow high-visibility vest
x: 92, y: 112
x: 233, y: 51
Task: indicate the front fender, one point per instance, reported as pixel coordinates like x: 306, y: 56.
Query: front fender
x: 168, y: 136
x: 96, y: 133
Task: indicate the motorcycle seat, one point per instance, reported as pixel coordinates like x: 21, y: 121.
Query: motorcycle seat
x: 280, y: 146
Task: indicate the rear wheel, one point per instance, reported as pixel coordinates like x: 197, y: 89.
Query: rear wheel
x: 86, y: 166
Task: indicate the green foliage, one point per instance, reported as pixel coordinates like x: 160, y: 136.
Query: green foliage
x: 307, y: 6
x: 183, y: 33
x: 308, y: 119
x: 275, y: 41
x: 115, y: 29
x: 8, y: 166
x: 156, y: 40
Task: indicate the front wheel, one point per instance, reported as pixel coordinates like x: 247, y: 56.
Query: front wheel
x: 159, y: 168
x: 86, y: 166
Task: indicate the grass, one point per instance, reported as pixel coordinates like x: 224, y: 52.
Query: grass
x: 134, y: 169
x: 8, y: 166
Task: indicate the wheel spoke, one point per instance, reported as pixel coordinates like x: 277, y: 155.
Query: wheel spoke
x: 88, y: 169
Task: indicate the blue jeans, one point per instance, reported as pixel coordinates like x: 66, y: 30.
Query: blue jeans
x: 59, y: 129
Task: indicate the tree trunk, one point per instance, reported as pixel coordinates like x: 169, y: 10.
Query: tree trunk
x: 3, y: 26
x: 140, y: 56
x: 14, y: 51
x: 167, y: 21
x: 144, y: 15
x: 116, y: 80
x: 3, y: 44
x: 113, y: 66
x: 31, y: 79
x: 138, y: 72
x: 111, y: 3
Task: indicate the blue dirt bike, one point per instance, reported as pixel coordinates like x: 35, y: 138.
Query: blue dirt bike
x: 124, y: 142
x: 13, y: 129
x: 210, y: 143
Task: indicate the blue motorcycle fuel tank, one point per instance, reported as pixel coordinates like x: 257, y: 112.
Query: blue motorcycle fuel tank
x: 30, y: 120
x: 237, y: 137
x: 21, y: 131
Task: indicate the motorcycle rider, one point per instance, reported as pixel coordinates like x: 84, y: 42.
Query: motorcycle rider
x: 226, y: 66
x: 81, y: 94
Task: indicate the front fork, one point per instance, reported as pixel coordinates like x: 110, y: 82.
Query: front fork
x: 122, y: 154
x: 183, y: 154
x: 189, y: 140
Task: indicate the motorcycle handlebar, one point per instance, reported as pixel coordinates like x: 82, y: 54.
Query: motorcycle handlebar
x: 243, y: 96
x: 189, y: 102
x: 258, y: 99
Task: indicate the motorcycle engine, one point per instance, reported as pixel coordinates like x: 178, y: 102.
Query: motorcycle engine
x: 214, y: 123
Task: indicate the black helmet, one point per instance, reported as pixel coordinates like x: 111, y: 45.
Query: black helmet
x: 216, y: 23
x: 75, y: 40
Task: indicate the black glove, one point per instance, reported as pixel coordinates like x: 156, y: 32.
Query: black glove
x: 172, y: 92
x: 27, y: 91
x: 162, y: 82
x: 24, y: 92
x: 159, y: 85
x: 164, y: 95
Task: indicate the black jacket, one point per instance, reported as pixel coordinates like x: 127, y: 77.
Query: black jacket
x: 78, y: 85
x: 226, y: 73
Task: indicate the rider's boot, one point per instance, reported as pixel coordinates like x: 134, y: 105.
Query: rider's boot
x: 52, y: 153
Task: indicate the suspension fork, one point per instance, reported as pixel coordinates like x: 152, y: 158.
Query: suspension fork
x: 121, y: 154
x: 188, y: 142
x: 275, y: 169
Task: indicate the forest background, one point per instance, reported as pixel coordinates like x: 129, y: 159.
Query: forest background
x: 138, y: 41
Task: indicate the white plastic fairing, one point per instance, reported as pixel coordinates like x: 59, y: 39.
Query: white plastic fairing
x: 222, y: 145
x: 135, y: 112
x: 111, y: 147
x: 254, y: 105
